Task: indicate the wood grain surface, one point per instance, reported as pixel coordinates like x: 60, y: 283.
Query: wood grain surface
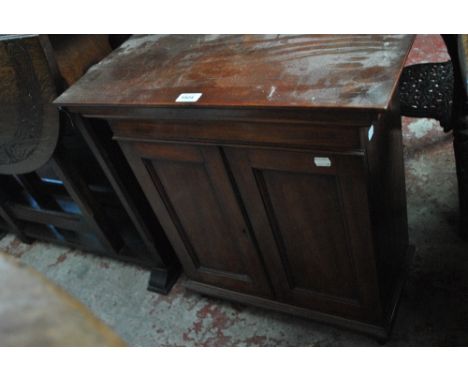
x: 301, y: 71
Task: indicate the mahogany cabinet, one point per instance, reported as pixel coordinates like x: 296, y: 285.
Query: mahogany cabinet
x: 282, y: 184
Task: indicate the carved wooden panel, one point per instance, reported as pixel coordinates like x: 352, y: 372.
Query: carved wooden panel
x: 29, y: 123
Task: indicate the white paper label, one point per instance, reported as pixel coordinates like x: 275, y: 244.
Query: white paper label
x: 322, y: 161
x: 370, y: 132
x: 188, y: 97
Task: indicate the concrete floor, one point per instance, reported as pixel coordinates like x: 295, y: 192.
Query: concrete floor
x: 434, y: 306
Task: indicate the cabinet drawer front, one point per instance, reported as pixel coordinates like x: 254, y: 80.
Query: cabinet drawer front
x: 293, y: 135
x: 312, y: 226
x: 192, y: 195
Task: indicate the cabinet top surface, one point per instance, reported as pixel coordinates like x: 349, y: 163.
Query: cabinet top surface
x: 262, y: 71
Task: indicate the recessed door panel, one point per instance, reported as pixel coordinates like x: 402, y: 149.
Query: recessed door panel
x: 305, y: 212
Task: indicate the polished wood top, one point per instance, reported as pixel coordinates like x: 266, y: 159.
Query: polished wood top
x: 259, y: 71
x: 35, y: 312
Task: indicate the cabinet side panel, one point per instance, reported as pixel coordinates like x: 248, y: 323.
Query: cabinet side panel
x: 388, y: 200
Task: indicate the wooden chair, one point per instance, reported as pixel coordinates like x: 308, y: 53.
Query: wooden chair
x: 59, y: 180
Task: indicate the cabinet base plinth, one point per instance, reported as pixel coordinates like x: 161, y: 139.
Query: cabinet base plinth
x: 395, y: 301
x: 163, y: 279
x: 381, y: 332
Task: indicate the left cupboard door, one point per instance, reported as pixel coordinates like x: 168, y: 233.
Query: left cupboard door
x: 192, y: 194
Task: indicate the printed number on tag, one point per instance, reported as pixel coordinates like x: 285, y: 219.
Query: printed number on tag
x: 188, y: 97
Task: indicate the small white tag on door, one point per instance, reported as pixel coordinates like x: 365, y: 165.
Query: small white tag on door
x: 322, y: 161
x: 188, y: 97
x: 370, y: 132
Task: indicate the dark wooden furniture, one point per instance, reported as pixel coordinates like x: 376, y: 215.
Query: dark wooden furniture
x: 458, y: 50
x: 460, y: 134
x: 36, y: 312
x: 438, y: 90
x: 60, y: 181
x: 281, y: 183
x: 29, y: 123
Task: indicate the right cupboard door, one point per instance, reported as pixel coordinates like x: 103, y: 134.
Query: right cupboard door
x: 310, y: 214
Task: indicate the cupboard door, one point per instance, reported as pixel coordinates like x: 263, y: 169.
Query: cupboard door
x: 192, y: 195
x: 311, y: 220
